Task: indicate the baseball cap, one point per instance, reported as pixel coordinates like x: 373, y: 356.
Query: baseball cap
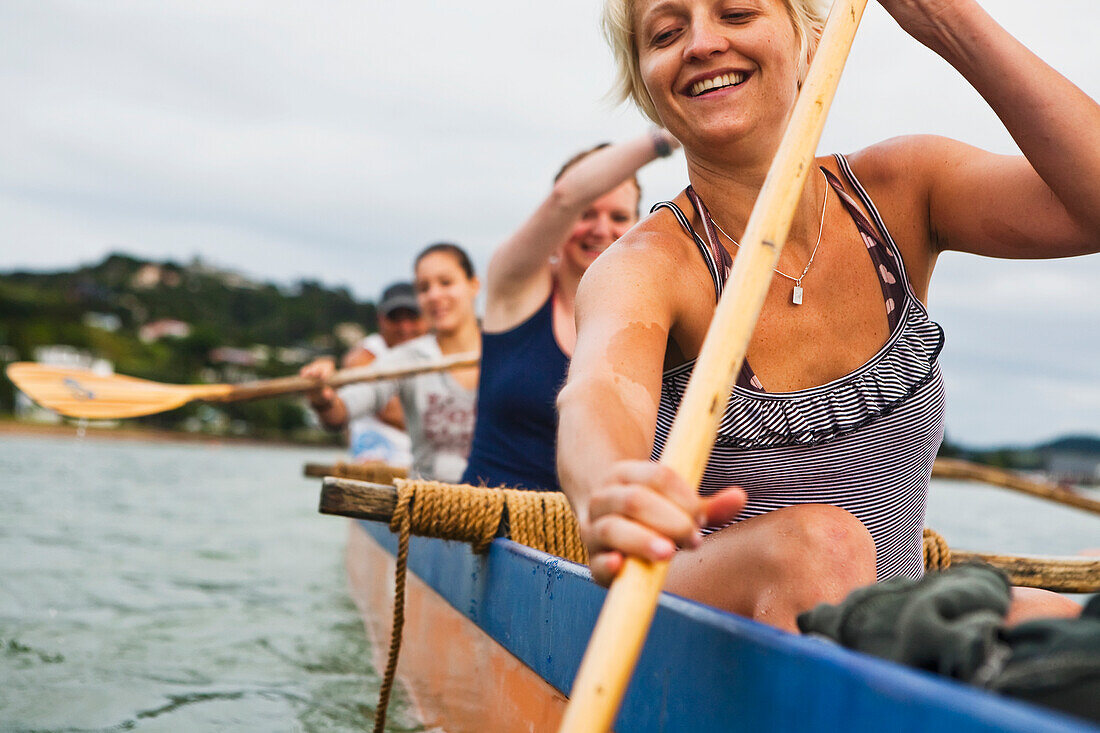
x: 397, y: 296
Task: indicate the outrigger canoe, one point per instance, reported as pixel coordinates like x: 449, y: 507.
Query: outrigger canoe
x: 493, y: 641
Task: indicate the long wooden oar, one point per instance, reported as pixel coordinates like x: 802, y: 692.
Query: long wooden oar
x: 944, y: 468
x: 627, y: 612
x: 83, y: 393
x: 375, y: 472
x: 953, y: 468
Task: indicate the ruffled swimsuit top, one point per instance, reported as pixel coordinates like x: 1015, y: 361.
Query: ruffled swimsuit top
x: 864, y: 442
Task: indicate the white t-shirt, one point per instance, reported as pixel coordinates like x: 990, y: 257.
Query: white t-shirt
x: 370, y: 439
x: 439, y: 412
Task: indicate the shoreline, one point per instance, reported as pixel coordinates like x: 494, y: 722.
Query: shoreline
x: 10, y: 426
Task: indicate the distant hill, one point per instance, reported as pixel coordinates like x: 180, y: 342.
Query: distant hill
x: 238, y: 310
x: 1080, y: 444
x: 179, y: 323
x: 1067, y: 454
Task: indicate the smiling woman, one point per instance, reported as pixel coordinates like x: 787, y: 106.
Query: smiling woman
x: 439, y: 407
x: 807, y: 17
x: 818, y: 477
x: 529, y: 321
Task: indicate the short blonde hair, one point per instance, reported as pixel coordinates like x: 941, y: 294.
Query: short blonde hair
x: 807, y: 17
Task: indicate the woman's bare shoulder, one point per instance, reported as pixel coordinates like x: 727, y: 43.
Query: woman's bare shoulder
x: 654, y: 255
x: 658, y: 239
x: 899, y: 175
x: 653, y: 248
x: 904, y: 162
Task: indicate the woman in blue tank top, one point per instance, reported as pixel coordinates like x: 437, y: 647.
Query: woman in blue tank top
x: 528, y: 329
x: 831, y: 430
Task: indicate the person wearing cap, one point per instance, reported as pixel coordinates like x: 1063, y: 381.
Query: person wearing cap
x: 381, y: 436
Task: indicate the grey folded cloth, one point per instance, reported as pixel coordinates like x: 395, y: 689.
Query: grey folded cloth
x: 945, y: 622
x: 951, y: 622
x: 1055, y: 662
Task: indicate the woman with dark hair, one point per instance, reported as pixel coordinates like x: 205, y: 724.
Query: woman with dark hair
x: 528, y: 327
x: 438, y: 406
x: 835, y: 419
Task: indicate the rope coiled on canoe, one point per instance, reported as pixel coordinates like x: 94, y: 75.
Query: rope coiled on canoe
x: 474, y: 514
x: 543, y: 520
x: 937, y: 555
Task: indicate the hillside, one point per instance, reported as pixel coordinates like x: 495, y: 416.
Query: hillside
x: 239, y: 311
x: 174, y: 322
x: 1070, y: 458
x: 1081, y: 444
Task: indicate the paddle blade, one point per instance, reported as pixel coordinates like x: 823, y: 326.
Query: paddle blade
x: 83, y: 393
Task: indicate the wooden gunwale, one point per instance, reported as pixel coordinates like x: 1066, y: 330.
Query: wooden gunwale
x: 1067, y: 574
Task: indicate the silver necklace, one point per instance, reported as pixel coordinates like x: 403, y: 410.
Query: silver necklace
x: 796, y: 294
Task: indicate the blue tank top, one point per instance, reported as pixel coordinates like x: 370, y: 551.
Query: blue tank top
x: 522, y: 371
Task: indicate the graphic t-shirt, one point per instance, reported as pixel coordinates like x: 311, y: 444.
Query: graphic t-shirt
x: 439, y: 412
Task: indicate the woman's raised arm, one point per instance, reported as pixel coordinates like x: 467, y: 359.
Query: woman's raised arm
x: 518, y: 277
x: 1046, y: 204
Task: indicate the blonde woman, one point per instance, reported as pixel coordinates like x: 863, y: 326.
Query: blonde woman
x: 834, y: 422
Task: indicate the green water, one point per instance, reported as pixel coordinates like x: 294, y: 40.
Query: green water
x: 169, y: 587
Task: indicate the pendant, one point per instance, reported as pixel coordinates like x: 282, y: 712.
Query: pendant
x: 796, y: 296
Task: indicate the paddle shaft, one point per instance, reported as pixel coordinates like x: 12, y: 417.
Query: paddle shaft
x: 374, y: 472
x: 952, y: 468
x: 295, y: 385
x: 632, y: 600
x: 1068, y: 574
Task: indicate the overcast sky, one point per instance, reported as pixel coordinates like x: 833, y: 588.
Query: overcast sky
x: 332, y: 140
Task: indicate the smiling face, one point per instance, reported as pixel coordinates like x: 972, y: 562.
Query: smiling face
x: 719, y: 70
x: 607, y: 219
x: 445, y: 293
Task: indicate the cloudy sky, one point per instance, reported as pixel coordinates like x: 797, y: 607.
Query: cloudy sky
x: 332, y: 139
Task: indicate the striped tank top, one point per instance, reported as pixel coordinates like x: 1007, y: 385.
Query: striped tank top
x: 864, y: 442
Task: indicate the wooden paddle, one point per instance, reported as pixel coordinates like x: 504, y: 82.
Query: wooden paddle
x: 944, y: 468
x: 953, y: 468
x: 83, y: 393
x: 375, y: 472
x: 626, y: 615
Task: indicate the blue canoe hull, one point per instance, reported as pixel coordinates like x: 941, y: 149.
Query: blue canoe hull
x: 701, y: 669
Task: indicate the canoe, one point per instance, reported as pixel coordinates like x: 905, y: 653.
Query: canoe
x: 493, y: 641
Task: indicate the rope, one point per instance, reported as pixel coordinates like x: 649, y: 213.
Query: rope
x: 937, y: 555
x: 539, y: 519
x: 545, y: 520
x: 402, y: 526
x: 474, y: 514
